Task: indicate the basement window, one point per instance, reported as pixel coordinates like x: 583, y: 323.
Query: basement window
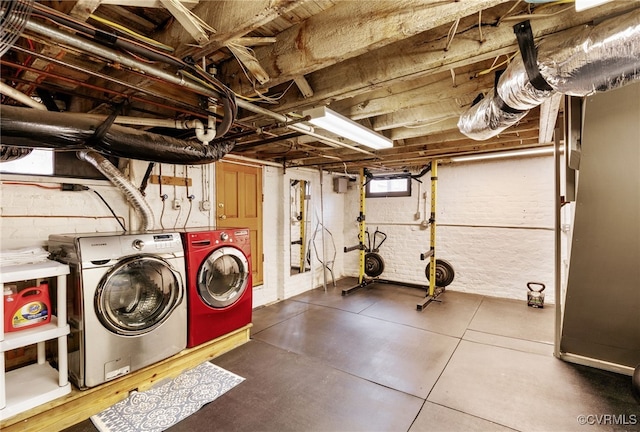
x: 382, y: 188
x: 50, y: 163
x: 38, y: 162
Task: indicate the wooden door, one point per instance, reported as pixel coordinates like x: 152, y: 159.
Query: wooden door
x: 239, y: 204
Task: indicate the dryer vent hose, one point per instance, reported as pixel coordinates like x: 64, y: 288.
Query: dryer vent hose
x: 131, y: 193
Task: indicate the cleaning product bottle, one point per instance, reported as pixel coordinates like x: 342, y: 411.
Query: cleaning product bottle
x: 28, y: 308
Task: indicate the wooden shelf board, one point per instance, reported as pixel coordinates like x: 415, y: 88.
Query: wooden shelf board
x: 80, y: 405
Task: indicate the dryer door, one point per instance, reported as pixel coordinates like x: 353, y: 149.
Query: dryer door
x: 223, y: 277
x: 137, y: 295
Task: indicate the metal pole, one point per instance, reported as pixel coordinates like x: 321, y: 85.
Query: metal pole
x: 324, y: 258
x: 303, y: 224
x: 362, y: 226
x: 432, y: 220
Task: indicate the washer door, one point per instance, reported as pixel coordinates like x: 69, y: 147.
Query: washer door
x: 137, y: 295
x: 223, y: 277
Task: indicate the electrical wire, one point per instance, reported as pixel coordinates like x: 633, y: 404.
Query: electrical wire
x: 32, y: 184
x: 163, y: 197
x: 452, y: 33
x: 175, y: 224
x: 261, y: 97
x: 188, y: 213
x: 109, y: 207
x: 496, y: 66
x: 132, y: 33
x: 228, y: 97
x: 162, y: 212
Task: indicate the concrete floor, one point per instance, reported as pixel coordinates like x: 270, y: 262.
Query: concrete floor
x: 370, y: 361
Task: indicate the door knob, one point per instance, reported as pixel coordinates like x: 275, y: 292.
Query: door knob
x: 223, y: 216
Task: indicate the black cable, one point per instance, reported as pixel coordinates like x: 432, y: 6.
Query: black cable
x: 110, y: 209
x: 228, y: 97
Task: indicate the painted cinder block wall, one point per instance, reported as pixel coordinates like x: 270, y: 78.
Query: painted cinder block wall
x: 494, y: 225
x: 494, y: 219
x: 32, y: 208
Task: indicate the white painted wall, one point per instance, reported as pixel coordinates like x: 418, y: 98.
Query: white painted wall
x: 494, y: 225
x: 33, y: 208
x: 494, y: 222
x: 333, y: 205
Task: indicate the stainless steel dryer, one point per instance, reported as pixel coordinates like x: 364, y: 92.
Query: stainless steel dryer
x: 127, y: 301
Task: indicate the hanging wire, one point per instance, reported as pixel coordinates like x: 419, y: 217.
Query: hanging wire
x: 189, y: 196
x: 163, y: 197
x: 109, y: 207
x: 452, y: 33
x: 495, y: 66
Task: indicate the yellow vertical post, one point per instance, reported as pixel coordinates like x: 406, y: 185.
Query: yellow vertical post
x: 303, y: 225
x: 361, y: 221
x: 432, y: 221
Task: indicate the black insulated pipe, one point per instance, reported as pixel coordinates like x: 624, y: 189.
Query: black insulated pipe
x: 26, y: 127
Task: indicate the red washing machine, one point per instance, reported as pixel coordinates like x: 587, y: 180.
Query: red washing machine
x: 219, y: 289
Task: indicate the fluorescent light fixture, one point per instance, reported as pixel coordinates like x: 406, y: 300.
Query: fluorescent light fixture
x: 504, y: 154
x: 586, y: 4
x: 340, y: 125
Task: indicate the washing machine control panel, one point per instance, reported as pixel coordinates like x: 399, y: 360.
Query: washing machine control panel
x: 224, y: 236
x: 138, y: 244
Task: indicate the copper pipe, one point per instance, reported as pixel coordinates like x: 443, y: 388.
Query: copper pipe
x: 93, y: 87
x: 201, y: 113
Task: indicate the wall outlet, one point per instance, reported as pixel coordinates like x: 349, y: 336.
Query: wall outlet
x: 177, y: 205
x: 205, y: 205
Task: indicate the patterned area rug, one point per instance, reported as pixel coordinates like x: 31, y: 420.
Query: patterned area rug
x: 166, y: 404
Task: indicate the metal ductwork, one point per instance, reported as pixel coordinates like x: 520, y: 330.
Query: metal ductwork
x: 13, y: 18
x: 131, y: 193
x: 578, y: 62
x: 26, y: 127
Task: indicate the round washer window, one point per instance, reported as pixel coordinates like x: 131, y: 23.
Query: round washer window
x: 137, y: 295
x: 223, y: 277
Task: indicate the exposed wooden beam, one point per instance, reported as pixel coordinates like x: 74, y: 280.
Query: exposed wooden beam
x: 413, y: 57
x: 83, y: 8
x: 548, y: 117
x: 254, y: 41
x: 194, y: 25
x: 325, y: 38
x: 422, y: 95
x: 231, y: 19
x: 249, y: 62
x: 420, y: 115
x: 147, y: 3
x: 303, y: 86
x: 437, y: 126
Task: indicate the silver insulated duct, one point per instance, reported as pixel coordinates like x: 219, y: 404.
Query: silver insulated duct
x: 133, y: 195
x: 578, y: 62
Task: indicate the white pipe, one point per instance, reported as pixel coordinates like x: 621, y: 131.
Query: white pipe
x: 146, y: 121
x: 229, y: 156
x: 197, y: 125
x: 7, y: 90
x: 92, y: 47
x: 210, y: 134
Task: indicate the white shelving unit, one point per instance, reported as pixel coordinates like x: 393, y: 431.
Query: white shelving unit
x: 30, y: 386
